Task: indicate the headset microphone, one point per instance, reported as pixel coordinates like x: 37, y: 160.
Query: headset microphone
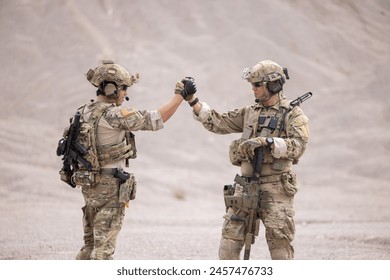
x: 127, y: 98
x: 257, y: 100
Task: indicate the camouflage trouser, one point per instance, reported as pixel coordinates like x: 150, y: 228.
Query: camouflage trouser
x: 102, y: 220
x: 275, y: 211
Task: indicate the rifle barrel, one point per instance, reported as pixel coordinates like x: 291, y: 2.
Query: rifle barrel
x: 300, y: 99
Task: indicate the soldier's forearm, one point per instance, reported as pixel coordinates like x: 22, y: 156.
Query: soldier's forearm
x: 170, y: 108
x: 198, y: 105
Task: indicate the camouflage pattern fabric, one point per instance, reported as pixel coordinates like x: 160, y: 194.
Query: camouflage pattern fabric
x: 264, y: 71
x: 102, y: 219
x: 109, y: 71
x: 276, y: 210
x: 121, y: 118
x: 104, y: 212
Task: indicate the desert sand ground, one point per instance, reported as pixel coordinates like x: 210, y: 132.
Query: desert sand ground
x: 339, y: 50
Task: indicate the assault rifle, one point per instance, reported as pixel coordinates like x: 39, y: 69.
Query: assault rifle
x: 252, y: 225
x: 300, y: 99
x: 294, y: 103
x: 257, y: 165
x: 72, y: 152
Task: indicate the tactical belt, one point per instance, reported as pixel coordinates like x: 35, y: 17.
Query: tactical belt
x: 262, y: 180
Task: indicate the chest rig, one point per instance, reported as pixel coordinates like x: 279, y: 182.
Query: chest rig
x: 270, y: 122
x: 261, y: 121
x: 99, y: 155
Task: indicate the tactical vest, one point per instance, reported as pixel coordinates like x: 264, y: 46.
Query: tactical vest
x: 97, y: 154
x: 262, y: 122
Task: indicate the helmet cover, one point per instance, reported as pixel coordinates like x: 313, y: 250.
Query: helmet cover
x: 109, y: 71
x: 264, y: 71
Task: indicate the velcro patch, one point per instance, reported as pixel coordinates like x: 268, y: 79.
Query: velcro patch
x: 126, y: 113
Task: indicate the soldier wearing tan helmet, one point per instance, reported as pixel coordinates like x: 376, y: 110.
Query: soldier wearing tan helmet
x: 107, y: 143
x: 274, y: 135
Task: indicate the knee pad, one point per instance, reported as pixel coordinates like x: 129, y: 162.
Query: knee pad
x: 230, y: 249
x: 279, y: 244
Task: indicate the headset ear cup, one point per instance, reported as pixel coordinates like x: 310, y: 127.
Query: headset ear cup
x: 110, y: 90
x: 275, y: 87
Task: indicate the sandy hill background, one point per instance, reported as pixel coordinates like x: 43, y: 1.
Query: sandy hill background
x: 339, y: 50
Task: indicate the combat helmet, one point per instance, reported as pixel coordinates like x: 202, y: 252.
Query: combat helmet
x: 110, y: 74
x: 269, y: 72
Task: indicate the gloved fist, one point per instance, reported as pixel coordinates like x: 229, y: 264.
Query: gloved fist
x: 247, y: 148
x: 186, y: 88
x: 179, y: 87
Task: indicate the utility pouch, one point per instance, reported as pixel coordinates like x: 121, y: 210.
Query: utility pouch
x: 234, y: 152
x: 64, y: 177
x: 128, y: 189
x: 85, y: 178
x: 289, y: 182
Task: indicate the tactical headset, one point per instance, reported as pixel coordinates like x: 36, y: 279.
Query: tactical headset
x: 275, y: 82
x: 110, y: 90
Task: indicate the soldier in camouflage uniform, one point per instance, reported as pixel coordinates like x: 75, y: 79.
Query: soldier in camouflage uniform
x: 110, y: 144
x: 282, y: 132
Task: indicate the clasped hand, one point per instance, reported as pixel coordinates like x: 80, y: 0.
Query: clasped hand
x: 186, y: 88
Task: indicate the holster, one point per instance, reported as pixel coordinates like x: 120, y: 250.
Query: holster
x: 128, y: 189
x: 250, y: 197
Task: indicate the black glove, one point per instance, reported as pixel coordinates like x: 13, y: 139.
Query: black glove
x: 189, y: 88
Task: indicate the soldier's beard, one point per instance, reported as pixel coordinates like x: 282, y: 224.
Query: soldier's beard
x: 119, y: 101
x: 263, y: 98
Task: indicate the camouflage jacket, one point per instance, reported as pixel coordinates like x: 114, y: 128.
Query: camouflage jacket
x: 288, y: 128
x: 117, y: 120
